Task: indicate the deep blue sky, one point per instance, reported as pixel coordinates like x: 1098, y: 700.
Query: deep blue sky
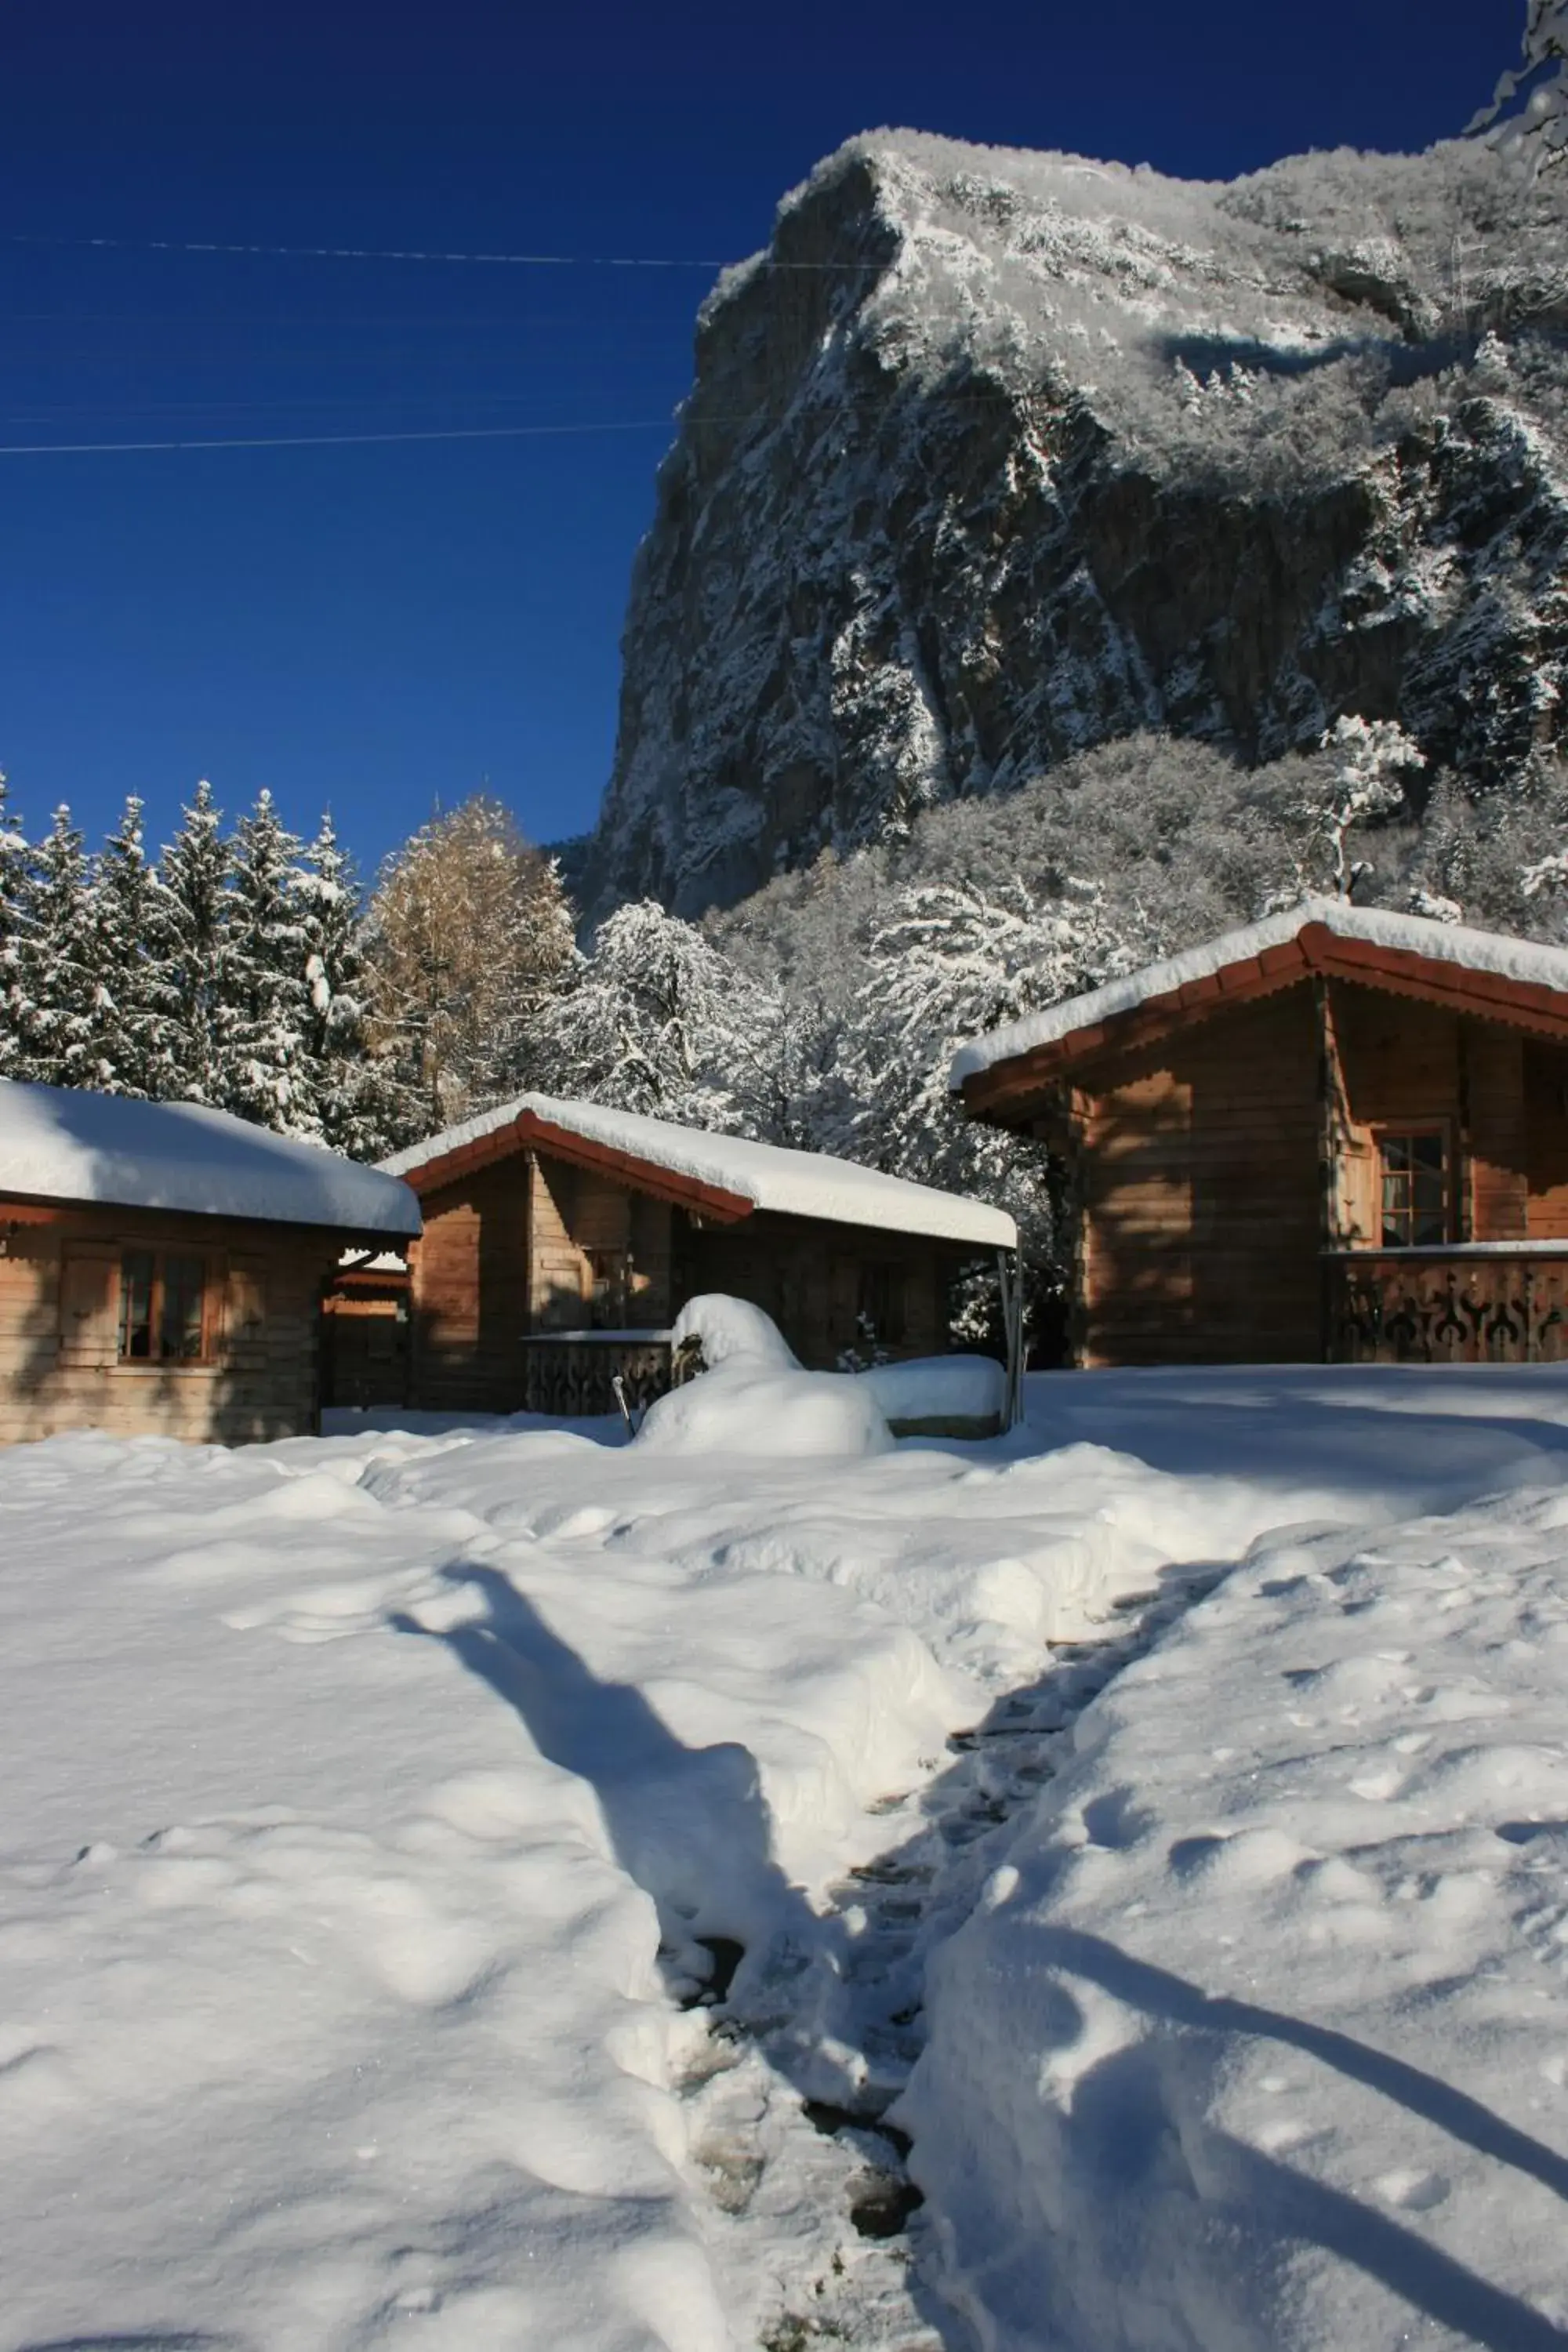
x: 380, y: 627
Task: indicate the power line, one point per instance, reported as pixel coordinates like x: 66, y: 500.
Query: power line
x: 689, y: 419
x: 326, y: 440
x: 400, y: 253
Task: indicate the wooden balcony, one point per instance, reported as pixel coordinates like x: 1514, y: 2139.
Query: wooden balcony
x: 568, y: 1373
x: 1471, y: 1303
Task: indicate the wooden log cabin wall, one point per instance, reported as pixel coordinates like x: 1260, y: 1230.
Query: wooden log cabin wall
x: 530, y: 1246
x: 546, y: 1251
x: 519, y: 1246
x: 831, y: 1289
x: 74, y: 1351
x: 1198, y: 1168
x: 1342, y: 1138
x: 162, y: 1268
x: 365, y: 1333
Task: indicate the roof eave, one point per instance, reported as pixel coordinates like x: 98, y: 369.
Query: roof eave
x: 528, y: 1132
x: 1008, y: 1091
x: 46, y: 1208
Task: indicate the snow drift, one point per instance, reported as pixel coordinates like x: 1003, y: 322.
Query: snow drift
x: 1255, y: 2039
x: 754, y: 1398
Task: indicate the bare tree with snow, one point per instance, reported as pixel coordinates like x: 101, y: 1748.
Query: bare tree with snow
x: 1371, y: 759
x: 1540, y: 127
x: 468, y: 937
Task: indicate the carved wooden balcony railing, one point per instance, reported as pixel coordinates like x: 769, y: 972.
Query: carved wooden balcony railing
x: 569, y: 1373
x: 1480, y: 1303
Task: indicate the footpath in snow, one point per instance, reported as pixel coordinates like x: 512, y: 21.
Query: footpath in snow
x: 495, y: 1886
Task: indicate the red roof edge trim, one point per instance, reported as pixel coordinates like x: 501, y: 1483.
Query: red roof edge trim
x: 528, y: 1132
x: 1141, y: 1024
x: 1317, y: 947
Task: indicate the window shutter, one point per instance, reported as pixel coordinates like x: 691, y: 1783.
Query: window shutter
x: 90, y: 1304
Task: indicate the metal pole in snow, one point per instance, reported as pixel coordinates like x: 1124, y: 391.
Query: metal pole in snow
x: 1012, y: 1328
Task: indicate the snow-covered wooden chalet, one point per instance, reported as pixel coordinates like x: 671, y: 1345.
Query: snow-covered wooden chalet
x: 163, y: 1265
x: 1338, y: 1134
x: 561, y: 1239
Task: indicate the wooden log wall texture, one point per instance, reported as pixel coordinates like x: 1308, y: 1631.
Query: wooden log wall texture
x: 807, y: 1274
x: 558, y: 1270
x: 505, y: 1253
x: 1546, y: 1141
x: 469, y: 1285
x: 1408, y: 1064
x: 577, y: 1210
x: 1200, y: 1188
x: 365, y: 1349
x: 1200, y: 1157
x: 60, y: 1309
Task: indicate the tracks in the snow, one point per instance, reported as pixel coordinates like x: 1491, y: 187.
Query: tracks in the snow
x: 884, y: 1921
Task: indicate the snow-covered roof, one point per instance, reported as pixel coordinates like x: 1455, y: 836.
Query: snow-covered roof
x: 65, y: 1143
x: 1521, y: 962
x: 764, y: 1175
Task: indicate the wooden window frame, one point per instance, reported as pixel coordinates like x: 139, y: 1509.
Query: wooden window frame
x: 1406, y: 1130
x: 160, y: 1254
x: 610, y: 1266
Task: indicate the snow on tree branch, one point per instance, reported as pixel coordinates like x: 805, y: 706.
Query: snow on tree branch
x: 1541, y: 124
x: 1372, y: 757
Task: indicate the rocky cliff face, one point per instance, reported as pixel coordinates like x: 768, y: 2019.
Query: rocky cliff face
x: 992, y: 457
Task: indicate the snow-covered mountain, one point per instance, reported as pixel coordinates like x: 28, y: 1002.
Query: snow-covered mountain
x: 993, y: 456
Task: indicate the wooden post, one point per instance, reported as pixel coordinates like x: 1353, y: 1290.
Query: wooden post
x: 1013, y: 1326
x: 1463, y: 1211
x: 1331, y: 1128
x: 1075, y: 1206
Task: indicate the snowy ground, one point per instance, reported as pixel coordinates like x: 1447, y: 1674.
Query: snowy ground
x: 373, y: 1804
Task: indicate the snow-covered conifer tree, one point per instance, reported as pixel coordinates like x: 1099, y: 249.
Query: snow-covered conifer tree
x: 660, y: 1021
x: 189, y: 947
x: 58, y: 978
x: 15, y: 859
x: 264, y: 1003
x: 351, y: 1088
x: 128, y: 1049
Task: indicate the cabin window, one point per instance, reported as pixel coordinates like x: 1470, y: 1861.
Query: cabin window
x: 609, y: 1282
x: 1414, y: 1170
x: 882, y: 1311
x: 162, y: 1308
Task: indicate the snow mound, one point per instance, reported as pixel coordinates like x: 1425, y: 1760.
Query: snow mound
x: 746, y: 1408
x: 940, y: 1389
x: 729, y: 1327
x: 754, y: 1399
